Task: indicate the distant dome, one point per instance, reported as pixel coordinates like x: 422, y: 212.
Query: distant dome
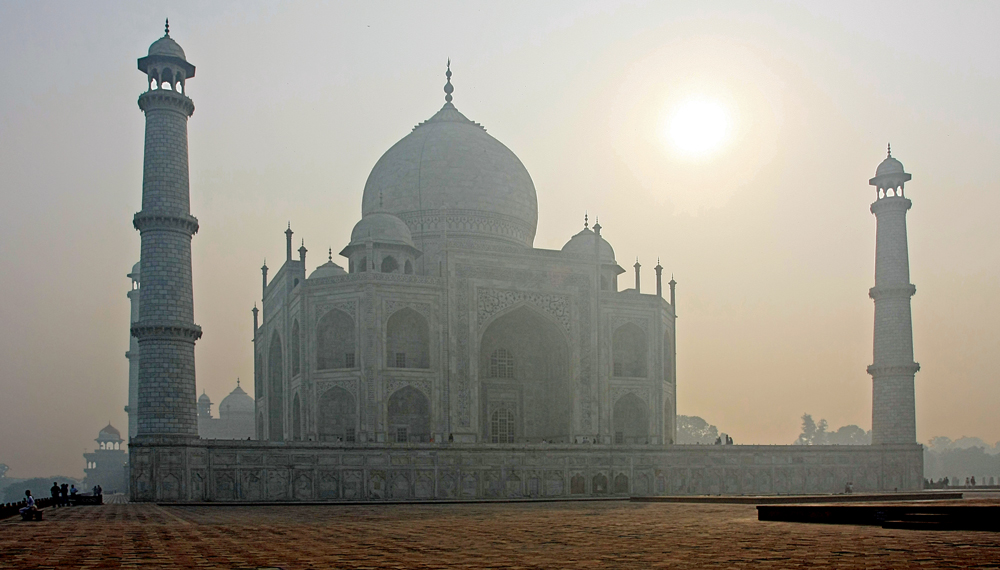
x: 583, y: 243
x: 328, y: 269
x: 166, y: 46
x: 889, y: 166
x: 382, y: 228
x: 237, y: 402
x: 204, y: 399
x: 135, y: 269
x: 450, y: 174
x: 109, y: 432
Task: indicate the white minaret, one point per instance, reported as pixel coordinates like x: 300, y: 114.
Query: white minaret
x: 893, y: 368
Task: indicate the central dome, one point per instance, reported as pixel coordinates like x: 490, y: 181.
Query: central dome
x: 449, y: 175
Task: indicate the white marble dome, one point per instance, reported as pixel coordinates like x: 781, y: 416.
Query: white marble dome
x: 449, y: 174
x: 583, y: 244
x: 889, y: 166
x: 382, y: 228
x: 328, y: 269
x: 238, y: 401
x: 166, y: 46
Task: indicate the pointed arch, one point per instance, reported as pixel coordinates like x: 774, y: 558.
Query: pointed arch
x: 409, y: 416
x: 296, y: 419
x: 407, y: 340
x: 629, y: 349
x: 296, y: 343
x: 389, y: 264
x: 335, y: 341
x: 338, y: 415
x: 631, y: 420
x: 275, y: 391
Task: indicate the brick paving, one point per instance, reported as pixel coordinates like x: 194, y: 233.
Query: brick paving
x: 575, y: 535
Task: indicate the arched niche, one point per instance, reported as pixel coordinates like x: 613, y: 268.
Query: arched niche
x: 335, y: 344
x: 407, y: 340
x: 296, y: 342
x: 275, y: 391
x: 338, y: 415
x: 296, y: 419
x: 668, y: 421
x: 668, y: 360
x: 631, y: 420
x: 409, y: 416
x: 629, y: 351
x: 534, y: 383
x: 389, y: 264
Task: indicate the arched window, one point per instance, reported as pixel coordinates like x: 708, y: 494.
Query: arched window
x: 362, y: 265
x: 668, y: 352
x: 275, y: 391
x: 407, y: 340
x: 502, y: 426
x: 629, y: 351
x: 389, y: 264
x: 501, y: 364
x: 335, y: 341
x: 337, y: 416
x: 631, y: 420
x: 409, y: 416
x: 296, y: 350
x: 296, y: 419
x: 408, y: 267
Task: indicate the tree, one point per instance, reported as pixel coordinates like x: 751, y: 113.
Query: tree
x: 693, y: 430
x: 817, y: 434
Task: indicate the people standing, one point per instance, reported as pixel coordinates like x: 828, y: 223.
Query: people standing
x: 54, y: 491
x: 64, y: 495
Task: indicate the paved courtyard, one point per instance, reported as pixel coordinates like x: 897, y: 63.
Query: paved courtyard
x: 524, y: 535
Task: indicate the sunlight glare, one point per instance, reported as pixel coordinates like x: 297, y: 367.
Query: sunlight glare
x: 698, y: 126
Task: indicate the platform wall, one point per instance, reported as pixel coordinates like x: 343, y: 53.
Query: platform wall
x: 175, y: 470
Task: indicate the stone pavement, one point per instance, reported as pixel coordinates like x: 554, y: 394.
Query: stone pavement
x: 512, y: 535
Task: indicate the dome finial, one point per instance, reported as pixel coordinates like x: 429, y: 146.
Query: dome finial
x: 888, y: 150
x: 237, y: 382
x: 448, y: 89
x: 166, y: 27
x: 330, y: 255
x: 586, y: 220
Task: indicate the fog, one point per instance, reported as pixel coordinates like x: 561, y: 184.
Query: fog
x: 769, y: 237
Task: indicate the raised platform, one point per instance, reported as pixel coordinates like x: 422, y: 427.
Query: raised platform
x: 909, y: 516
x: 802, y: 499
x: 200, y: 470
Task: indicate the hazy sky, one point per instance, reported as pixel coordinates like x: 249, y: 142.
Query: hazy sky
x: 770, y: 237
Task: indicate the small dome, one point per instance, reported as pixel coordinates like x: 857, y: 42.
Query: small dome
x: 237, y: 402
x: 204, y: 399
x: 382, y: 228
x: 109, y: 432
x: 166, y: 46
x: 328, y: 269
x: 583, y: 243
x: 889, y: 166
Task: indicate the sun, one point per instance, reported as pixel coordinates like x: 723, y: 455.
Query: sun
x: 698, y: 127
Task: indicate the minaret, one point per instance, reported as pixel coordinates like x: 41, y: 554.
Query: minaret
x: 893, y: 368
x: 165, y: 331
x: 132, y: 409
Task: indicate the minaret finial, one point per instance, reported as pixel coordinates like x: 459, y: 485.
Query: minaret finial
x: 330, y: 255
x: 166, y: 27
x: 448, y: 89
x: 237, y: 382
x: 586, y: 220
x: 888, y: 150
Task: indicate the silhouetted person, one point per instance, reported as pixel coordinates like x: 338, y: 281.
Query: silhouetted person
x: 72, y: 494
x: 64, y: 495
x: 451, y: 438
x: 29, y: 503
x: 54, y: 491
x: 973, y: 480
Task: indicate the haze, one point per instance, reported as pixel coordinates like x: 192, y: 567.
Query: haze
x: 768, y: 233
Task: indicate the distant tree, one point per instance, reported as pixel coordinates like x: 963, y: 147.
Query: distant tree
x: 692, y: 430
x: 817, y: 434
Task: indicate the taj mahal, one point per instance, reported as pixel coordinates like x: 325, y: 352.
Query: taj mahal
x: 442, y: 356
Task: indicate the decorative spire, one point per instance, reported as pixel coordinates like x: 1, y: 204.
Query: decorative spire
x: 237, y: 382
x: 586, y: 222
x: 888, y: 150
x: 597, y: 224
x: 448, y: 88
x: 330, y: 256
x: 166, y: 27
